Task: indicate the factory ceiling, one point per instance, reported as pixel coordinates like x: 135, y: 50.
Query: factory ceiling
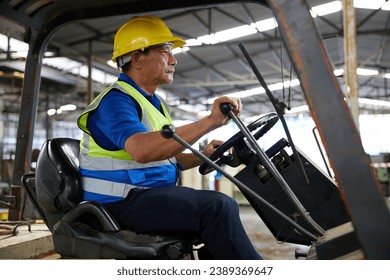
x: 205, y: 70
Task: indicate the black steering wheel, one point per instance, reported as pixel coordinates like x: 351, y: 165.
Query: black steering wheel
x: 262, y: 124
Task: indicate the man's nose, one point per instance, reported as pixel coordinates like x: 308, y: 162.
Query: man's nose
x: 172, y: 60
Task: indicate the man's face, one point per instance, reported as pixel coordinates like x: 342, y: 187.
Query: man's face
x: 159, y: 65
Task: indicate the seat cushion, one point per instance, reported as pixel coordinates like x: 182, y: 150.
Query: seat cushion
x: 77, y: 240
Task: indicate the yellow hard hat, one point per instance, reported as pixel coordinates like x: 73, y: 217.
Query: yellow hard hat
x: 142, y: 32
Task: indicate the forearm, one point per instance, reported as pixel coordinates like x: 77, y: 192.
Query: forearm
x: 188, y: 160
x: 151, y: 146
x: 147, y: 147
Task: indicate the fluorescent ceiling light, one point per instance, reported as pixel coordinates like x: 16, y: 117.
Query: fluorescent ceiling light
x: 208, y: 39
x: 97, y: 75
x: 264, y: 25
x: 367, y: 101
x: 63, y: 108
x: 326, y: 9
x: 359, y: 71
x: 236, y: 32
x: 369, y: 4
x: 224, y: 35
x: 338, y: 72
x: 18, y: 48
x: 247, y: 93
x: 386, y: 7
x: 259, y: 90
x: 374, y: 102
x: 180, y: 50
x: 51, y: 112
x: 3, y: 42
x: 68, y: 107
x: 62, y: 63
x: 286, y: 84
x: 233, y: 33
x: 366, y: 72
x: 193, y: 42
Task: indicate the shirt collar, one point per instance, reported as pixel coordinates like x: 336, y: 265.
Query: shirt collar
x: 152, y: 98
x: 123, y: 77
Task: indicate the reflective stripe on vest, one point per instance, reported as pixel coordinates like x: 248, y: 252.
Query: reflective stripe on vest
x: 107, y: 187
x: 98, y: 166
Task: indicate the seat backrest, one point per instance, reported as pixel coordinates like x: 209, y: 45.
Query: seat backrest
x: 58, y: 184
x: 58, y: 196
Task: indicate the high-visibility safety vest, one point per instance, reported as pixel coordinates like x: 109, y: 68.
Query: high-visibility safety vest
x: 108, y: 176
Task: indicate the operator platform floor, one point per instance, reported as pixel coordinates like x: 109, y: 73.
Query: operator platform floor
x: 36, y: 242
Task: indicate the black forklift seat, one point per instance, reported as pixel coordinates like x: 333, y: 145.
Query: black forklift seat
x: 56, y: 191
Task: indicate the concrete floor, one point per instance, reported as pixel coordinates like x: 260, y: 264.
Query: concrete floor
x: 263, y: 240
x: 25, y: 242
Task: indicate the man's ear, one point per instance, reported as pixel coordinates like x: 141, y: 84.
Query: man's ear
x: 136, y: 59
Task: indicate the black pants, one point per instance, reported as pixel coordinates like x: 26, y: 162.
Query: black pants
x: 213, y: 215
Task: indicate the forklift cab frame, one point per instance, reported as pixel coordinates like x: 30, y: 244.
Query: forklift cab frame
x: 360, y: 193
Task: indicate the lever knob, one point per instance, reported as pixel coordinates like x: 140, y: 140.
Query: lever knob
x: 167, y: 131
x: 226, y: 107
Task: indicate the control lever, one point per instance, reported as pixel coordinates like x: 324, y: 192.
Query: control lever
x: 261, y: 155
x: 279, y: 107
x: 168, y: 131
x: 226, y: 108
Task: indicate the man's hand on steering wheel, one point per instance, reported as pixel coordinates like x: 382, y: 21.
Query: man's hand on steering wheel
x: 212, y: 147
x: 259, y: 127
